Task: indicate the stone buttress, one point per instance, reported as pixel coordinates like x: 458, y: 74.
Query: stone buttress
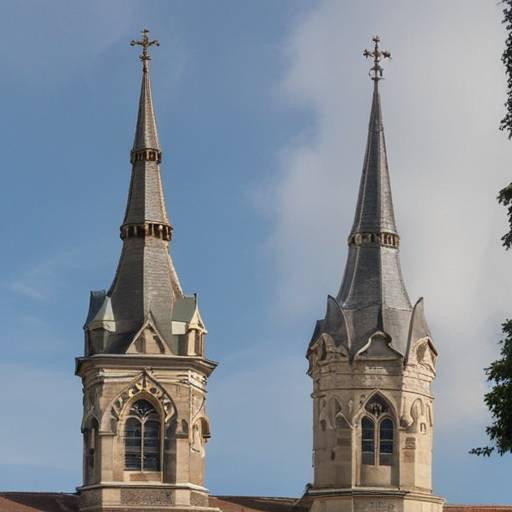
x: 372, y: 362
x: 144, y: 371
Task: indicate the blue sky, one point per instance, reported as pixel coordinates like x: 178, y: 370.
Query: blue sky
x: 262, y: 110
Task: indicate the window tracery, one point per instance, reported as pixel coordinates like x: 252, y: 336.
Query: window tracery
x: 377, y: 433
x: 142, y: 438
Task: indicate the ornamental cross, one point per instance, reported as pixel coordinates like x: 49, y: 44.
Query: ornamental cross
x: 145, y: 43
x: 377, y: 54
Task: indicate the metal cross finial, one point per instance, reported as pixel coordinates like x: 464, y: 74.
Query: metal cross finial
x: 145, y: 43
x: 377, y: 54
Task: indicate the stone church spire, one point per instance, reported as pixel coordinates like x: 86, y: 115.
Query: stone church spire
x: 146, y: 286
x: 374, y: 211
x: 146, y: 136
x: 373, y: 277
x: 372, y: 362
x: 372, y: 295
x: 144, y: 371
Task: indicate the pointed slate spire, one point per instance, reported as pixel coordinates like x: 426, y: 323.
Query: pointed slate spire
x: 146, y: 135
x: 374, y: 212
x: 373, y: 274
x: 146, y: 286
x: 146, y: 200
x: 372, y: 296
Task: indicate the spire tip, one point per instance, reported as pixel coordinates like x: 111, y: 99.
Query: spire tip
x: 146, y: 44
x: 377, y: 54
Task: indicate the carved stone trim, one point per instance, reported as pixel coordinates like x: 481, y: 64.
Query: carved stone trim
x: 324, y: 351
x: 366, y: 403
x: 374, y: 239
x: 153, y: 229
x: 410, y: 443
x: 144, y: 385
x: 377, y: 405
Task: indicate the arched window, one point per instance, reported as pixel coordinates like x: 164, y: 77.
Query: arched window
x: 368, y: 441
x: 386, y: 434
x: 377, y: 433
x: 142, y: 446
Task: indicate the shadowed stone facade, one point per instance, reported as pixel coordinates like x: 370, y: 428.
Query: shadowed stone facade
x: 144, y: 370
x: 372, y: 362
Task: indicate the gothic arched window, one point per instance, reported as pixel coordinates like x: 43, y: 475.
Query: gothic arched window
x: 142, y: 438
x: 377, y: 433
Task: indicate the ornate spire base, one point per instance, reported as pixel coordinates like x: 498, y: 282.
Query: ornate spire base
x: 142, y: 497
x: 369, y: 500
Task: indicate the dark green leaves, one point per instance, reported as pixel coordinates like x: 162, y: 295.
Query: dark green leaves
x: 499, y: 398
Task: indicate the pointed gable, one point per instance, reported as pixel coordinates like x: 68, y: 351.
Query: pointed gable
x: 148, y: 341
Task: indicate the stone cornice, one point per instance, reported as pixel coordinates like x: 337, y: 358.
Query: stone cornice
x: 144, y: 485
x: 155, y: 362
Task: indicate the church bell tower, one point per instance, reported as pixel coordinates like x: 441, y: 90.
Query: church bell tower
x: 144, y: 370
x: 372, y: 361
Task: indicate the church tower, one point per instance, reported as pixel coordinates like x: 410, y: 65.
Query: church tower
x: 144, y: 371
x: 372, y: 362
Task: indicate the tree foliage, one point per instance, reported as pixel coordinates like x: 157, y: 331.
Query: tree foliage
x: 499, y: 399
x: 506, y: 58
x: 499, y: 373
x: 505, y: 198
x: 505, y: 195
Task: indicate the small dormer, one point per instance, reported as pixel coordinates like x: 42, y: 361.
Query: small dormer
x: 188, y: 325
x: 99, y: 324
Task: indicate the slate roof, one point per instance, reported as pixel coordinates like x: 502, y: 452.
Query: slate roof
x: 372, y: 296
x: 146, y: 134
x: 62, y: 502
x: 38, y: 501
x: 146, y: 198
x: 146, y: 284
x: 374, y: 211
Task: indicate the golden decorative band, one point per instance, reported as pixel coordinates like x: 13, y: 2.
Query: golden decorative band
x: 157, y: 230
x: 381, y: 239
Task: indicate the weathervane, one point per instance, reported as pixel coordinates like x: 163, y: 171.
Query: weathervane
x: 377, y: 54
x: 145, y: 43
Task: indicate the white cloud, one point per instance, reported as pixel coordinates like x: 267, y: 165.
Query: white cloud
x: 442, y: 102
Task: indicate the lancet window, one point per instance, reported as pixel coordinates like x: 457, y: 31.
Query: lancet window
x: 368, y: 441
x: 377, y: 434
x: 142, y: 440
